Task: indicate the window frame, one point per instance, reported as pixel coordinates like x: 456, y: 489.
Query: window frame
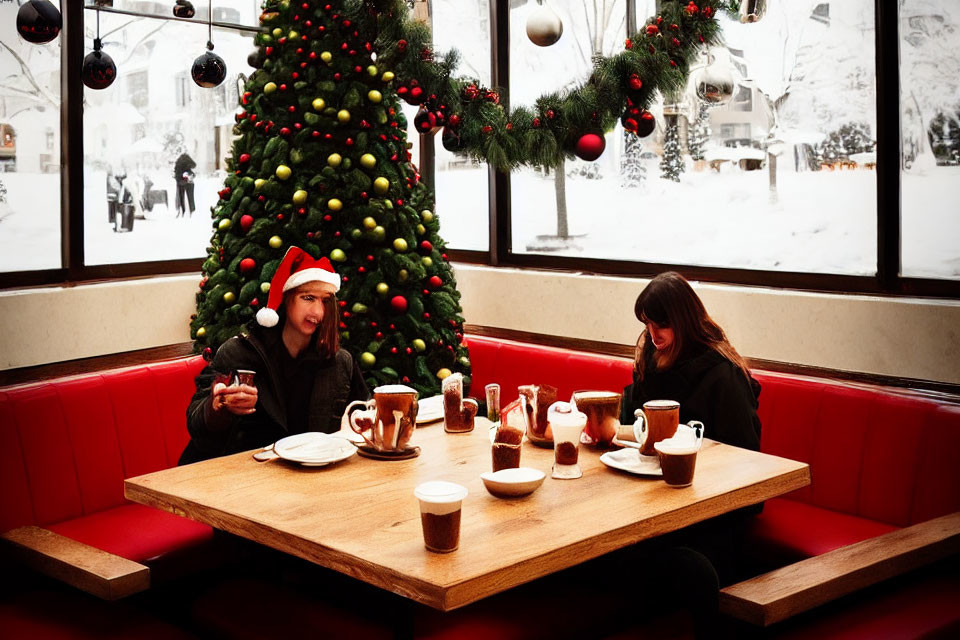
x: 887, y: 282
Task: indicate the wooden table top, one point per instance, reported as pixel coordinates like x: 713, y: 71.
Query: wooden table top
x: 360, y: 516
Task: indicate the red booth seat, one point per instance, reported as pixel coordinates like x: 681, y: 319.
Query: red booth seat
x: 67, y: 444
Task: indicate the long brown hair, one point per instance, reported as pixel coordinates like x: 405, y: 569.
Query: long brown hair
x: 328, y: 335
x: 670, y: 302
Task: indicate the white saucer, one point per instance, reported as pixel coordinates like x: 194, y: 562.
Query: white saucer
x: 512, y: 483
x: 631, y: 461
x: 430, y: 410
x: 314, y: 449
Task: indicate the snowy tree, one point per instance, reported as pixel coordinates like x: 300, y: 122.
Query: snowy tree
x: 945, y: 138
x: 840, y: 144
x: 700, y: 133
x: 633, y: 171
x: 672, y: 162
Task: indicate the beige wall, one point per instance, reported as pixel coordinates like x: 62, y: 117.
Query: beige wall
x: 890, y: 336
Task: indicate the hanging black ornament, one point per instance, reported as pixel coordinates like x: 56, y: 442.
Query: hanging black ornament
x: 256, y: 58
x: 209, y: 69
x: 99, y: 70
x: 38, y: 21
x: 183, y: 9
x: 425, y: 121
x: 451, y: 140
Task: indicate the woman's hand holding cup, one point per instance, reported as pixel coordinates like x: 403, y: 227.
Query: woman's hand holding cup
x: 239, y: 399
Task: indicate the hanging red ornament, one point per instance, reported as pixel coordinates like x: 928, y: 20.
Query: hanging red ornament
x: 401, y: 45
x: 590, y: 146
x: 652, y: 30
x: 426, y: 247
x: 628, y: 44
x: 646, y: 124
x: 244, y: 158
x: 247, y: 265
x: 436, y: 282
x: 246, y: 221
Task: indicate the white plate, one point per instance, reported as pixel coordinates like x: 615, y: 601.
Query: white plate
x: 631, y: 461
x: 430, y: 410
x: 314, y: 449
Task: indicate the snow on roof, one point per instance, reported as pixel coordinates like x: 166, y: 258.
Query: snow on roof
x: 734, y: 154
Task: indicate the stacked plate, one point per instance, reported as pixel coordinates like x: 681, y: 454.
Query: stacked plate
x: 314, y: 449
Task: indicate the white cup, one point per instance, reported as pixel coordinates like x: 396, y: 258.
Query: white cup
x: 440, y: 507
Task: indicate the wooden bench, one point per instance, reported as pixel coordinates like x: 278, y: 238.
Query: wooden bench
x: 778, y: 595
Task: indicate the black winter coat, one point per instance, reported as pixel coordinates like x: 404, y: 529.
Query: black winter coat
x: 337, y: 382
x: 709, y: 388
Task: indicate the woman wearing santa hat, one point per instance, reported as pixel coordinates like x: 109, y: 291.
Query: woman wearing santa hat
x: 303, y: 380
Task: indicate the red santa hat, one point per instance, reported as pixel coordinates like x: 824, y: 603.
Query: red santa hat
x: 297, y: 268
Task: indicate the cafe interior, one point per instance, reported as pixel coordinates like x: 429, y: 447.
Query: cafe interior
x: 519, y: 437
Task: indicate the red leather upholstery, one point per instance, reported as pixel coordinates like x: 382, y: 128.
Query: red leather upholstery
x: 67, y: 444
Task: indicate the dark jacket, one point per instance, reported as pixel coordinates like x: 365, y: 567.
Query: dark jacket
x: 337, y: 382
x: 709, y: 388
x: 183, y: 164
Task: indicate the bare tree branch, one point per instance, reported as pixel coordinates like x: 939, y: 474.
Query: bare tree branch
x: 47, y: 96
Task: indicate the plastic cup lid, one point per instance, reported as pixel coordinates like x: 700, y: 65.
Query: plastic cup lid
x: 440, y: 491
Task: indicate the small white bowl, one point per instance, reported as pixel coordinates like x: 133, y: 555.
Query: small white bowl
x: 512, y: 483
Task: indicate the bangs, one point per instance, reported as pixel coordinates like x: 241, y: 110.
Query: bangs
x: 650, y: 308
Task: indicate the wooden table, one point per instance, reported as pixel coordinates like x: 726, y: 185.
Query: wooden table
x: 360, y: 517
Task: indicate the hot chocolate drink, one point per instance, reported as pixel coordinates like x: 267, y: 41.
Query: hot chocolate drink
x: 440, y: 507
x: 505, y: 456
x: 659, y: 420
x: 388, y: 419
x: 567, y: 424
x: 458, y: 412
x: 603, y: 414
x: 536, y: 399
x: 678, y: 460
x: 566, y: 453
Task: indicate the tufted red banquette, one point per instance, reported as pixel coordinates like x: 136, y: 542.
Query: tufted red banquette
x: 67, y: 444
x: 880, y: 458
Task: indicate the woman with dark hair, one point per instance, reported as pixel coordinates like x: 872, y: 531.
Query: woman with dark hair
x: 303, y: 381
x: 682, y: 354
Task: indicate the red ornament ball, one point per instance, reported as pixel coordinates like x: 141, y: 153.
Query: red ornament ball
x: 646, y: 124
x: 590, y: 146
x: 436, y: 282
x: 398, y: 304
x: 246, y: 221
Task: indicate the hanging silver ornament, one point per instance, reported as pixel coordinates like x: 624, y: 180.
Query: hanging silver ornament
x: 544, y: 27
x: 714, y: 82
x: 209, y: 69
x: 752, y: 10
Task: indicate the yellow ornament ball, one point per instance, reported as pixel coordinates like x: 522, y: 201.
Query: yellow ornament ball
x: 383, y: 288
x: 277, y: 32
x: 381, y: 185
x: 399, y: 245
x: 367, y: 359
x: 334, y: 205
x: 326, y: 56
x: 319, y: 104
x: 387, y: 76
x: 337, y: 255
x: 275, y: 242
x: 443, y: 373
x: 293, y: 35
x: 419, y: 344
x: 402, y: 275
x: 421, y: 229
x: 379, y: 233
x: 368, y: 161
x: 372, y: 71
x: 283, y: 172
x: 299, y: 196
x: 229, y: 297
x: 264, y: 287
x: 427, y: 215
x: 258, y: 183
x: 334, y: 160
x: 343, y: 116
x: 270, y: 87
x: 202, y: 331
x: 427, y: 261
x: 370, y: 222
x: 374, y: 96
x: 224, y: 224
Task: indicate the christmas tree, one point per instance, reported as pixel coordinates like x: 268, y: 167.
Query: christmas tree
x: 671, y: 164
x: 632, y: 169
x: 321, y: 162
x: 700, y: 134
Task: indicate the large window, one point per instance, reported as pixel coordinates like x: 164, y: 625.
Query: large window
x: 461, y: 184
x: 930, y: 137
x: 780, y: 178
x: 152, y: 123
x: 29, y: 149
